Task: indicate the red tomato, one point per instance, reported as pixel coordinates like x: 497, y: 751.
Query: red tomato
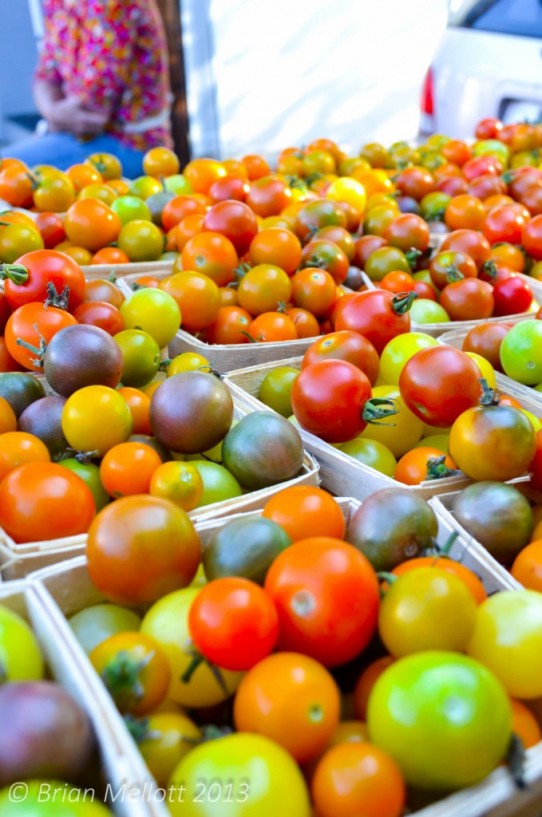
x: 234, y: 623
x: 330, y: 399
x: 41, y: 269
x: 377, y: 315
x: 235, y: 220
x: 440, y: 383
x: 326, y: 594
x: 512, y: 295
x: 345, y: 345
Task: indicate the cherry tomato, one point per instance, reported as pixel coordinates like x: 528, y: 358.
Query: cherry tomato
x: 91, y: 224
x: 43, y: 501
x: 101, y: 314
x: 512, y: 295
x: 134, y: 670
x: 346, y: 345
x: 521, y: 352
x: 457, y: 709
x: 326, y: 595
x: 35, y: 324
x: 305, y: 510
x: 439, y: 383
x: 469, y: 299
x: 140, y: 548
x: 79, y: 419
x: 127, y: 468
x: 42, y: 268
x: 180, y: 482
x: 164, y: 738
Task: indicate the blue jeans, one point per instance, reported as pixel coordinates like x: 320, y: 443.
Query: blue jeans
x: 63, y: 150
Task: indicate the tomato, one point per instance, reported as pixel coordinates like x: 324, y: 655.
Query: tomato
x: 527, y: 566
x: 20, y: 654
x: 231, y: 326
x: 358, y: 779
x: 512, y: 295
x: 239, y: 775
x: 268, y: 196
x: 439, y: 383
x: 521, y: 352
x: 211, y: 254
x: 408, y: 231
x: 103, y: 290
x: 35, y: 275
x: 167, y: 622
x: 292, y: 700
x: 141, y: 240
x: 305, y: 510
x: 415, y: 181
x: 263, y: 289
x: 140, y: 357
x: 158, y: 533
x: 16, y: 185
x: 160, y: 161
x: 326, y: 255
x: 398, y: 432
x: 470, y: 242
x: 345, y: 345
x: 197, y: 297
x: 525, y: 725
x: 493, y: 443
x: 18, y: 447
x: 423, y: 463
x: 371, y: 453
x: 506, y: 639
x: 426, y: 609
x: 101, y: 314
x: 79, y: 419
x: 91, y: 224
x: 228, y: 187
x: 8, y: 419
x: 444, y: 266
x: 485, y: 340
x: 305, y: 323
x: 275, y: 389
x: 398, y: 351
x: 233, y: 219
x: 55, y: 193
x: 17, y: 239
x: 326, y: 595
x: 457, y: 710
x: 531, y: 237
x: 134, y: 669
x: 314, y: 289
x: 469, y: 299
x: 180, y: 482
x: 465, y: 211
x: 398, y: 281
x: 272, y: 326
x: 329, y: 399
x: 95, y: 624
x: 313, y: 215
x: 377, y: 315
x: 386, y: 259
x: 127, y: 468
x: 469, y: 579
x: 106, y: 164
x: 364, y: 248
x: 35, y: 324
x: 164, y: 738
x: 153, y: 311
x: 43, y: 501
x: 277, y: 246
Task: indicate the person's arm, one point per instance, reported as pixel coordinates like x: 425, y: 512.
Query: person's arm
x: 66, y: 113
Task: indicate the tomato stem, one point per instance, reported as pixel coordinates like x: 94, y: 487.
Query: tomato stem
x: 56, y: 299
x: 402, y: 302
x: 122, y: 674
x: 251, y: 339
x: 490, y: 269
x: 39, y: 351
x: 490, y: 397
x: 377, y: 408
x: 412, y: 256
x: 197, y: 661
x: 444, y: 551
x: 454, y: 275
x: 437, y: 469
x: 16, y: 273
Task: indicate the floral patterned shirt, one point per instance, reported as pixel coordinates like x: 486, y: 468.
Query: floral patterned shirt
x: 112, y: 54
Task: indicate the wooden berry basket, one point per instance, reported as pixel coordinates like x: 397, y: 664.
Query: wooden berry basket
x: 339, y: 473
x: 17, y: 560
x: 69, y: 588
x: 135, y: 269
x: 123, y: 769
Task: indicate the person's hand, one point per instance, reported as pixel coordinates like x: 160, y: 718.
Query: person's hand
x: 68, y: 115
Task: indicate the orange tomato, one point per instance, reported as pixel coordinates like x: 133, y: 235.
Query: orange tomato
x: 211, y: 254
x: 18, y: 447
x: 291, y: 699
x: 525, y: 725
x: 366, y: 682
x: 139, y: 404
x: 306, y: 325
x: 8, y: 419
x: 527, y: 566
x: 230, y: 326
x: 269, y: 327
x: 198, y: 298
x: 358, y: 778
x: 263, y: 289
x: 83, y: 174
x: 201, y: 173
x: 413, y: 467
x: 315, y: 290
x: 304, y: 511
x: 91, y: 224
x: 110, y: 255
x: 127, y: 469
x: 160, y: 161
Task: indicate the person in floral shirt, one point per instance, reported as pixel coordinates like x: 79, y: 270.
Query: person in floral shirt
x: 101, y: 84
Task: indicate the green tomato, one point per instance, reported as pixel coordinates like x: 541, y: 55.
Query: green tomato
x: 153, y: 311
x: 493, y: 147
x: 140, y: 356
x: 141, y: 240
x: 433, y: 205
x: 145, y: 186
x: 371, y: 453
x: 178, y: 184
x: 218, y: 483
x: 131, y: 208
x: 399, y: 432
x: 89, y: 473
x: 443, y: 717
x: 507, y: 639
x: 276, y: 388
x: 424, y: 310
x: 94, y: 624
x: 398, y: 351
x: 20, y: 654
x: 439, y: 441
x: 240, y: 775
x: 521, y: 352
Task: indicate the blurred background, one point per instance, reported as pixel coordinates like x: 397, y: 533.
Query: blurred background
x: 253, y: 77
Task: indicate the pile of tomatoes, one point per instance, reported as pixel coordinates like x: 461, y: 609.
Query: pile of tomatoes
x: 286, y: 661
